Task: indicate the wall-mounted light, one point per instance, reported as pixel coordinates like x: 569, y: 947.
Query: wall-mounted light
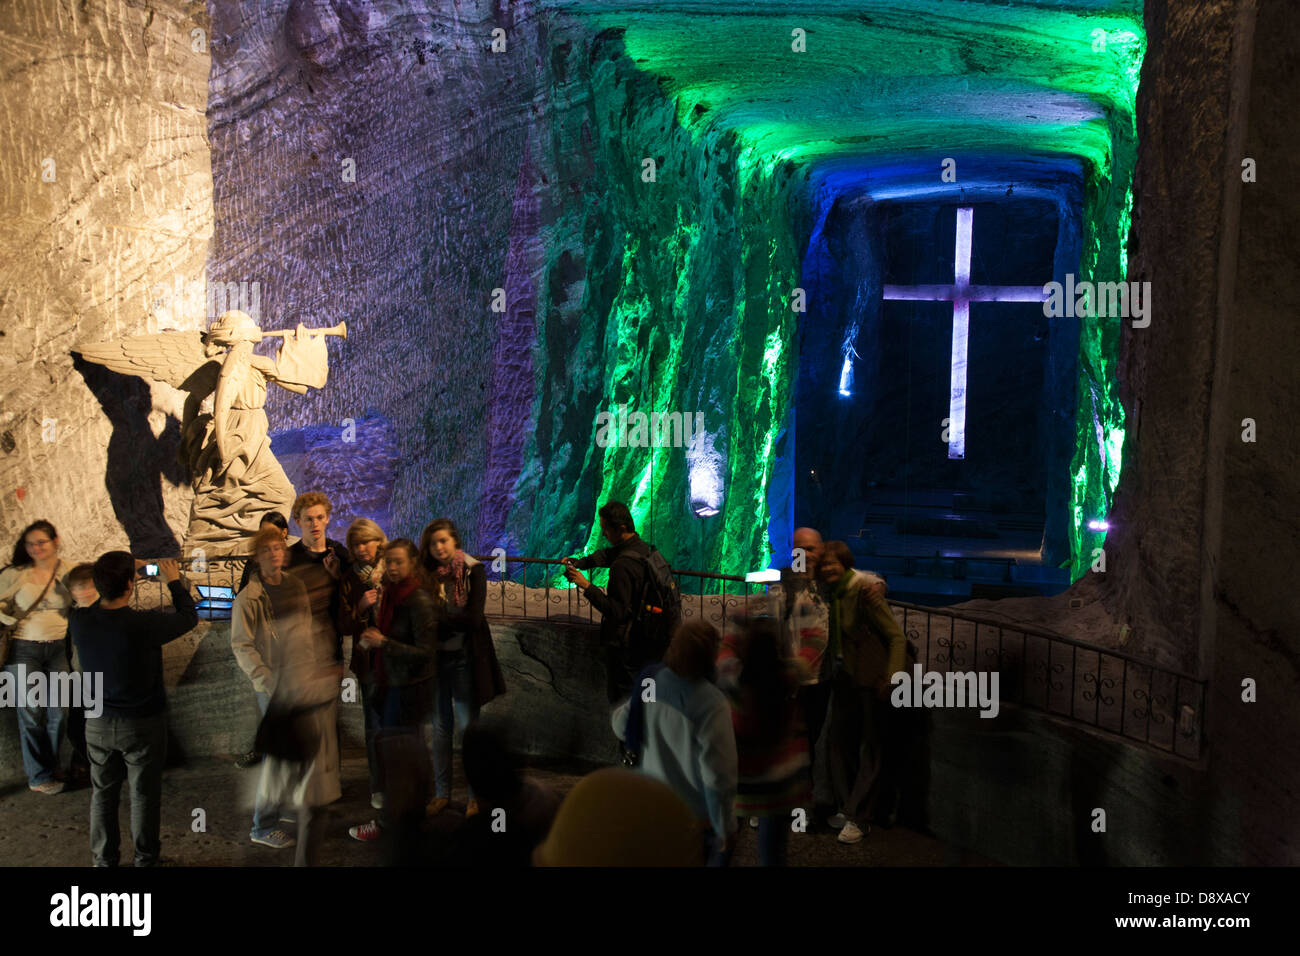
x: 1096, y: 525
x: 704, y: 469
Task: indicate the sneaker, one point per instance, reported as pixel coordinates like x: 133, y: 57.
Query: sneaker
x: 276, y: 840
x: 851, y: 833
x: 436, y: 806
x: 836, y: 821
x: 377, y: 801
x: 250, y: 759
x: 471, y: 809
x: 366, y: 832
x: 49, y: 787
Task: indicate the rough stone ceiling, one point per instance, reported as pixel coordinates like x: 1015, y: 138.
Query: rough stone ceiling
x: 879, y: 79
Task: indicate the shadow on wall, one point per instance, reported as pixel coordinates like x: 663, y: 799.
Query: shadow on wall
x: 136, y: 460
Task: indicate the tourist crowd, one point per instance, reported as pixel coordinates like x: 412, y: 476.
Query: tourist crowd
x: 781, y: 721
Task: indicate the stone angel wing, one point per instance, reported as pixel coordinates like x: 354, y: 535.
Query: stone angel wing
x: 174, y: 357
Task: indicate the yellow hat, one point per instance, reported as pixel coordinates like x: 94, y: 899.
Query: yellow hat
x: 617, y: 817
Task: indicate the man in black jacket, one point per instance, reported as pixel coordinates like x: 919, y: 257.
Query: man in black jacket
x: 129, y: 738
x: 625, y: 653
x: 319, y: 561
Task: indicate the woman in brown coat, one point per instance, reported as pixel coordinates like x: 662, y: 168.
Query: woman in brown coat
x: 468, y: 673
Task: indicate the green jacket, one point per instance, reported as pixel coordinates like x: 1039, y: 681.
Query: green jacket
x: 864, y: 632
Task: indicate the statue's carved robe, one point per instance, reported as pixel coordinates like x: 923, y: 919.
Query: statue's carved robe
x: 230, y: 502
x: 235, y: 477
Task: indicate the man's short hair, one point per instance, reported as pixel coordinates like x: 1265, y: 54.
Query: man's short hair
x: 616, y: 515
x: 264, y: 537
x: 83, y: 573
x: 310, y: 499
x: 113, y: 573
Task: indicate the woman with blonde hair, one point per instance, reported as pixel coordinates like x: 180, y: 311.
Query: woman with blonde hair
x: 359, y: 590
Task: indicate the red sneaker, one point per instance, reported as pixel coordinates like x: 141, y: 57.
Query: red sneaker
x: 366, y: 832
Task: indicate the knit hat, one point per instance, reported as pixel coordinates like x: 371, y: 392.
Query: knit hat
x: 616, y: 817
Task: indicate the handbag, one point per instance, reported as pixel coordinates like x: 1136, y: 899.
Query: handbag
x: 8, y: 631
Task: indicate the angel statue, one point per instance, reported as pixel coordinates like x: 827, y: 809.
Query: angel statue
x: 236, y: 479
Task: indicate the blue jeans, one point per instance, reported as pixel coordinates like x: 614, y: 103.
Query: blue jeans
x: 39, y: 728
x: 131, y: 748
x: 454, y: 706
x: 402, y: 756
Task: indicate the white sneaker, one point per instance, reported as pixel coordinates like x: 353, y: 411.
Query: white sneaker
x: 851, y: 833
x: 377, y: 801
x: 837, y: 821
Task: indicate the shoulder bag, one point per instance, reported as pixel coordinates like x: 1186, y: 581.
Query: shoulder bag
x: 8, y: 631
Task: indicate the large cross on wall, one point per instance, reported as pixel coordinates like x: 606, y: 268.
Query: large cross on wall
x: 961, y: 294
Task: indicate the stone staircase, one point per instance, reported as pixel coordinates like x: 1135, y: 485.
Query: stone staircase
x: 943, y: 547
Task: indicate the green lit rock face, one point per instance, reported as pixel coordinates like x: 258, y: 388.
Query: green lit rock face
x: 689, y: 142
x: 683, y: 306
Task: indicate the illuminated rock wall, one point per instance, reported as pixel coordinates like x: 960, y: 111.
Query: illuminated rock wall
x: 105, y: 209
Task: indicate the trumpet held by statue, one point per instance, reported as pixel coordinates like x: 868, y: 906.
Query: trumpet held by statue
x: 341, y: 330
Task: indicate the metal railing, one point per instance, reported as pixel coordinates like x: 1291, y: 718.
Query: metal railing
x: 510, y: 595
x: 1038, y: 670
x: 1102, y: 688
x: 222, y: 571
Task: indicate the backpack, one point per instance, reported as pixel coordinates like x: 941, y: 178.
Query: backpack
x: 659, y: 609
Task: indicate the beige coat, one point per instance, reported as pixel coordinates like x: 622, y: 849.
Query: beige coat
x: 254, y: 634
x: 287, y: 657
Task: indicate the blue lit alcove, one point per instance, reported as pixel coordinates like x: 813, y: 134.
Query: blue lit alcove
x: 982, y: 512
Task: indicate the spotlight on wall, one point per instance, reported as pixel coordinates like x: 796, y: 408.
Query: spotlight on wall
x: 846, y: 377
x: 705, y: 469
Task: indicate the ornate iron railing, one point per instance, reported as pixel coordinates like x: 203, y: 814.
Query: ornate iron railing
x: 1102, y: 688
x: 1038, y: 670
